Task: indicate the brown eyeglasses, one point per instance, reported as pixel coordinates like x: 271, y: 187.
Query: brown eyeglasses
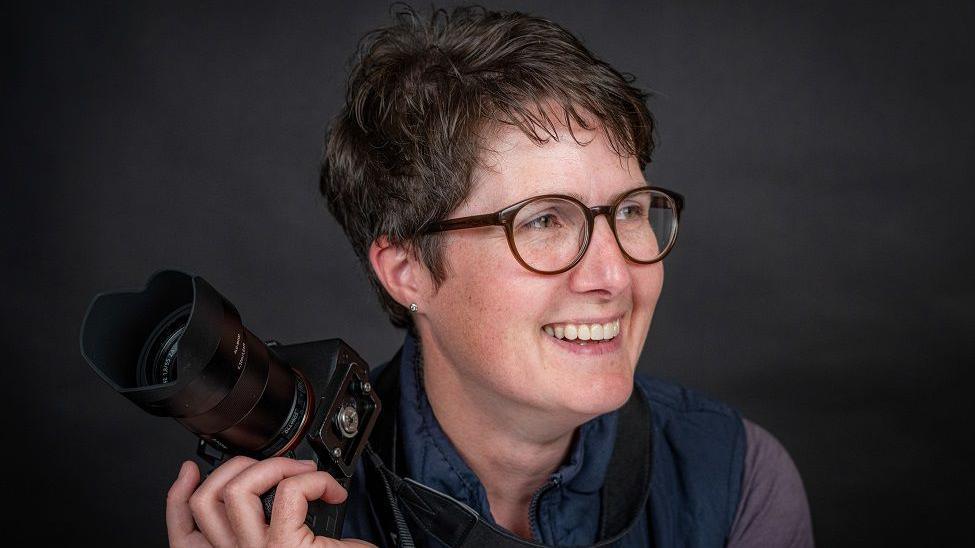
x: 549, y: 234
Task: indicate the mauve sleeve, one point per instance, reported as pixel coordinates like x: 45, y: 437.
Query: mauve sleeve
x: 773, y: 510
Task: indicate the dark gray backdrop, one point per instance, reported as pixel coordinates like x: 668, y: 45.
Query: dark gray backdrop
x: 821, y: 284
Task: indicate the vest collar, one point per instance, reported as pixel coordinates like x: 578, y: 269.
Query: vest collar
x: 431, y: 458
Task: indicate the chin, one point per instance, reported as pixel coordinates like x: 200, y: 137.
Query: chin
x: 604, y: 394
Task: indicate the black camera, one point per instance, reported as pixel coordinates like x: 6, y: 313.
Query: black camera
x: 177, y: 348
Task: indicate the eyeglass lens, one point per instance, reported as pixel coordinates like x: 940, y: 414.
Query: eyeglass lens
x: 549, y: 233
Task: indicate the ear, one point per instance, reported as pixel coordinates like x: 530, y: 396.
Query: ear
x: 398, y: 270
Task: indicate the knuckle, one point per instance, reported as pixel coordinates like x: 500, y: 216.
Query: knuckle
x: 173, y: 493
x: 288, y: 488
x: 234, y: 491
x: 173, y: 496
x: 197, y: 503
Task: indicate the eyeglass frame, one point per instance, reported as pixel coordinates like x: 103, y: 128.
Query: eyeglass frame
x: 505, y: 216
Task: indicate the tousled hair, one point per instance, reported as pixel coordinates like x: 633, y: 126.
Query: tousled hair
x: 423, y: 94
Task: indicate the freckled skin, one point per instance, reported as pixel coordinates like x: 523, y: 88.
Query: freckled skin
x: 481, y: 332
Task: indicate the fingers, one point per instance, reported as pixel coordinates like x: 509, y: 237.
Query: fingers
x: 226, y: 510
x: 291, y: 502
x: 207, y: 503
x: 179, y: 516
x: 242, y: 496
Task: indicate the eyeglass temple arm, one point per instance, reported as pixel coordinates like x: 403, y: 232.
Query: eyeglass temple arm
x: 473, y: 221
x: 679, y: 200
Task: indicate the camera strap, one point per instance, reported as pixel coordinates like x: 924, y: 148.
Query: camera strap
x: 624, y: 494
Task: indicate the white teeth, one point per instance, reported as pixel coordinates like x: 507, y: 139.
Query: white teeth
x: 584, y: 332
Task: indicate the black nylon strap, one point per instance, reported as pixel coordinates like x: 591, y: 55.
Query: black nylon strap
x: 383, y: 447
x: 624, y: 493
x: 403, y: 538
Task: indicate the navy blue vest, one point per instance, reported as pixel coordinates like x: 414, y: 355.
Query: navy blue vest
x: 697, y: 460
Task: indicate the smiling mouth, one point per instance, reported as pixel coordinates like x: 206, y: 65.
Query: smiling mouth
x: 584, y: 333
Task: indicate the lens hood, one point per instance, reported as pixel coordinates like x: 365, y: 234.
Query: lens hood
x: 118, y: 326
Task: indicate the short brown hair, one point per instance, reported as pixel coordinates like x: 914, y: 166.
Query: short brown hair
x: 421, y: 93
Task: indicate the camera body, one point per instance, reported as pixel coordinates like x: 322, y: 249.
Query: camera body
x: 178, y: 348
x: 343, y: 409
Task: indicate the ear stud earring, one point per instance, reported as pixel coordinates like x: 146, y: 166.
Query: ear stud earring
x: 413, y: 307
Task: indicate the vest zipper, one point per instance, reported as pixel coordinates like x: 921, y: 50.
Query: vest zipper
x: 533, y: 506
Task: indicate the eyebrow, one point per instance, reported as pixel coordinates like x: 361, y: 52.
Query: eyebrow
x: 577, y: 196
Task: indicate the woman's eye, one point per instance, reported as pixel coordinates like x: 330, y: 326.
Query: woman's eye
x: 542, y: 222
x: 632, y: 211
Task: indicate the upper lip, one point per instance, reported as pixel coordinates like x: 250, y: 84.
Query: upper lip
x: 601, y: 320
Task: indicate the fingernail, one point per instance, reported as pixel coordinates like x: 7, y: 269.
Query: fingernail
x: 308, y: 463
x: 182, y: 470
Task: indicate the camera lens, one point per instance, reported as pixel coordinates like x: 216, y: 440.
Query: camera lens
x: 157, y: 361
x: 179, y: 349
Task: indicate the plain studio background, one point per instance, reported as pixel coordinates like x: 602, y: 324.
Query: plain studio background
x: 822, y: 281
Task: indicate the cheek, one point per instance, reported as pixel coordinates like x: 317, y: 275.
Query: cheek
x: 491, y: 301
x: 487, y: 297
x: 648, y: 283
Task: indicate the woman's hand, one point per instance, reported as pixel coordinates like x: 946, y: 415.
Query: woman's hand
x: 226, y: 510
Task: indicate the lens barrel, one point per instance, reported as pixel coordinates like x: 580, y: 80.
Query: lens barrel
x: 179, y: 349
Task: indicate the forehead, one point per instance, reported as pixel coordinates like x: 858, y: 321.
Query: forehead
x: 512, y: 167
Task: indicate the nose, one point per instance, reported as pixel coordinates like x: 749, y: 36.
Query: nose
x: 603, y: 268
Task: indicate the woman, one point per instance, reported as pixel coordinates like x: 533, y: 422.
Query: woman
x: 488, y: 171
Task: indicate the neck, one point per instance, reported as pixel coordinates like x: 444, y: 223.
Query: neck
x: 513, y: 449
